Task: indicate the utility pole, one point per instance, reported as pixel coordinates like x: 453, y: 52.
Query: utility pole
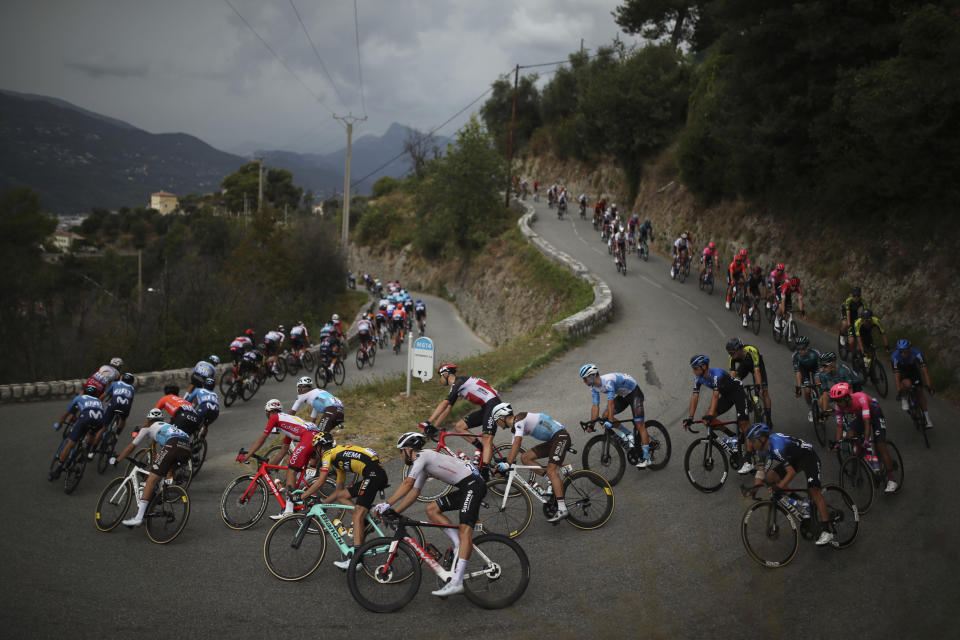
x: 349, y: 120
x: 140, y: 282
x: 513, y: 118
x: 260, y: 184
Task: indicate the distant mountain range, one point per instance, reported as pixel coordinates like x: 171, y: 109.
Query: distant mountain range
x: 77, y: 159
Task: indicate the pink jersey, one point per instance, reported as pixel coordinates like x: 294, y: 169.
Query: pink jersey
x: 710, y: 253
x: 860, y: 404
x: 777, y: 278
x: 293, y: 428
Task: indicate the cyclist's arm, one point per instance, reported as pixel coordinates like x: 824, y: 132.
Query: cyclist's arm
x: 514, y: 449
x: 316, y: 484
x: 609, y: 413
x: 405, y: 495
x: 714, y: 402
x: 256, y: 447
x: 693, y: 403
x: 440, y: 413
x: 126, y: 451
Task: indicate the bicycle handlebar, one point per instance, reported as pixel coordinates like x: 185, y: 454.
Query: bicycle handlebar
x: 714, y: 424
x: 252, y: 455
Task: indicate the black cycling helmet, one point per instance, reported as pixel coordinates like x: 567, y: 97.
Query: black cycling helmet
x: 866, y: 314
x: 91, y: 391
x: 855, y: 291
x: 128, y: 378
x: 171, y: 390
x: 803, y: 341
x: 734, y: 345
x: 828, y: 357
x: 209, y: 384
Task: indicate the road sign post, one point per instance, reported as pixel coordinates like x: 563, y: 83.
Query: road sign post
x: 420, y: 360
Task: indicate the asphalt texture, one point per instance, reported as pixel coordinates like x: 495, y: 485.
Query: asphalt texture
x: 669, y: 563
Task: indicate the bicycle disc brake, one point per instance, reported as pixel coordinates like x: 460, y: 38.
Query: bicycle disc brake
x: 550, y: 507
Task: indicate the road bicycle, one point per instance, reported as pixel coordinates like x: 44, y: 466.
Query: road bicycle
x: 366, y: 355
x: 434, y: 488
x: 845, y: 343
x: 74, y: 466
x: 916, y: 414
x: 238, y: 387
x: 868, y: 366
x: 507, y: 508
x: 755, y: 409
x: 608, y: 454
x: 819, y: 418
x: 295, y: 545
x: 496, y: 575
x: 706, y: 459
x: 398, y: 337
x: 736, y: 297
x: 66, y: 425
x: 166, y: 514
x: 583, y: 211
x: 108, y: 443
x: 753, y: 314
x: 244, y: 500
x: 621, y: 262
x: 706, y: 280
x: 771, y: 528
x: 683, y: 270
x: 182, y: 473
x: 276, y: 366
x: 421, y: 326
x: 561, y: 209
x: 787, y: 331
x: 326, y: 373
x: 643, y: 250
x: 862, y: 472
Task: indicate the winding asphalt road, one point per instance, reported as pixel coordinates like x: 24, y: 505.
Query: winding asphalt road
x: 668, y: 564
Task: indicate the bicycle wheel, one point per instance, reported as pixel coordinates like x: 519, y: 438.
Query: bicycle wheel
x: 322, y: 376
x: 706, y: 465
x: 843, y: 514
x: 769, y: 534
x: 198, y: 452
x: 308, y: 361
x: 230, y: 396
x: 897, y: 460
x: 500, y: 453
x: 754, y: 321
x: 497, y: 572
x: 183, y: 473
x: 777, y: 333
x: 843, y: 347
x: 294, y: 547
x: 372, y: 353
x: 279, y: 371
x: 603, y: 454
x: 242, y: 505
x: 73, y: 470
x: 819, y: 423
x: 432, y: 488
x: 248, y: 388
x: 589, y: 499
x: 509, y: 517
x: 339, y: 373
x: 379, y: 587
x: 359, y: 359
x: 113, y: 504
x: 856, y: 477
x: 167, y: 513
x: 107, y: 446
x: 791, y: 335
x: 660, y: 446
x: 293, y: 364
x: 878, y: 376
x: 226, y: 381
x: 682, y: 275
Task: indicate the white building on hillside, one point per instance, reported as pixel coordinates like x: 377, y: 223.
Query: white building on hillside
x: 164, y: 202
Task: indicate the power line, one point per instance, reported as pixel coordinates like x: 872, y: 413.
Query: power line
x: 356, y: 28
x: 279, y: 59
x: 322, y: 66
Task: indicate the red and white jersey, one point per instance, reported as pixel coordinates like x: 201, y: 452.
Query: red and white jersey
x: 476, y: 390
x: 240, y: 342
x: 107, y: 374
x: 274, y: 336
x: 432, y: 464
x: 292, y: 427
x: 364, y: 326
x: 786, y: 290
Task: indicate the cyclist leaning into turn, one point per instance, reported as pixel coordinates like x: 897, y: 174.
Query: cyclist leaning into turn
x: 854, y: 412
x: 806, y: 362
x: 746, y: 360
x: 831, y: 372
x: 622, y: 391
x: 727, y: 392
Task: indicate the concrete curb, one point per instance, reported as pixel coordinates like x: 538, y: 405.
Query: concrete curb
x: 589, y: 319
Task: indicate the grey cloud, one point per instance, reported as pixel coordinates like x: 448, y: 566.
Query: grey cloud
x: 95, y: 70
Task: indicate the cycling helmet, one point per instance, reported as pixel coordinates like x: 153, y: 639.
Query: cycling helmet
x: 866, y: 314
x: 683, y: 236
x: 855, y: 291
x: 273, y: 405
x: 281, y: 329
x: 803, y: 341
x: 757, y: 270
x: 214, y: 360
x: 903, y: 343
x: 743, y: 253
x: 411, y: 440
x: 250, y: 332
x: 116, y: 362
x: 588, y: 370
x: 128, y: 378
x: 781, y: 266
x: 501, y: 411
x: 305, y: 381
x: 794, y: 282
x: 335, y: 317
x: 209, y: 384
x: 839, y: 391
x: 155, y: 414
x: 757, y: 431
x: 828, y: 357
x: 91, y: 391
x: 648, y: 223
x: 733, y: 345
x: 711, y: 245
x: 322, y: 440
x: 448, y: 367
x: 738, y: 258
x: 699, y: 360
x: 171, y: 390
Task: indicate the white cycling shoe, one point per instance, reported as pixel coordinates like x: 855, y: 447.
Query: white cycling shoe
x: 133, y: 522
x: 344, y: 564
x: 643, y: 464
x: 746, y: 468
x: 825, y: 538
x: 891, y: 487
x: 558, y: 516
x: 281, y: 515
x: 448, y: 589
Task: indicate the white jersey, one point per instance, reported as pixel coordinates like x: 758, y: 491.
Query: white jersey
x: 680, y: 242
x: 431, y: 464
x: 538, y: 425
x: 297, y: 330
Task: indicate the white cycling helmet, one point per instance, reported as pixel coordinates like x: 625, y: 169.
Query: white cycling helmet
x: 214, y: 359
x: 154, y: 414
x: 273, y: 405
x: 588, y: 370
x: 412, y: 440
x: 502, y: 410
x: 305, y: 381
x: 116, y: 362
x: 336, y: 317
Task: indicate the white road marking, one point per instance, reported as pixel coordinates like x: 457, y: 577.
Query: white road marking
x: 716, y: 326
x: 684, y: 301
x: 649, y: 281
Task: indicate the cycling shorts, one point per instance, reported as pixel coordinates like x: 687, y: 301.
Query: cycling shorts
x: 115, y: 407
x: 298, y: 342
x: 878, y: 425
x: 555, y: 449
x: 270, y: 347
x: 911, y: 373
x: 186, y: 419
x: 809, y: 464
x: 301, y: 454
x: 470, y: 492
x: 634, y: 400
x: 208, y: 414
x: 364, y: 491
x: 197, y: 380
x: 737, y: 398
x: 83, y: 426
x: 483, y: 418
x: 176, y: 450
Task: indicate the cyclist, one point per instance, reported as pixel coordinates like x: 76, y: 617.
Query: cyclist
x: 831, y: 372
x: 854, y: 411
x: 293, y: 428
x: 103, y: 376
x: 849, y: 312
x: 323, y: 403
x: 364, y: 331
x: 863, y: 330
x: 272, y: 342
x: 745, y: 259
x: 240, y: 345
x: 343, y: 458
x: 120, y: 394
x: 746, y: 360
x: 338, y: 327
x: 736, y: 274
x: 791, y: 456
x: 201, y: 371
x: 408, y: 312
x: 787, y: 289
x: 207, y: 403
x: 327, y: 354
x: 89, y: 418
x: 420, y: 309
x: 182, y: 414
x: 708, y: 258
x: 620, y: 246
x: 622, y: 392
x: 250, y: 363
x: 477, y: 391
x: 426, y: 463
x: 908, y: 363
x: 175, y: 449
x: 753, y: 294
x: 644, y: 232
x: 555, y: 440
x: 583, y: 204
x: 777, y: 277
x: 299, y: 338
x: 681, y: 250
x: 727, y: 392
x: 806, y: 362
x: 399, y: 320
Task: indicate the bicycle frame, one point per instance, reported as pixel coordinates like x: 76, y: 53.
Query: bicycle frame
x: 132, y: 480
x: 514, y: 475
x: 319, y: 511
x: 262, y: 472
x: 445, y: 575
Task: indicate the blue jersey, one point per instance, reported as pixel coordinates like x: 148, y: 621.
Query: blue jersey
x: 538, y: 425
x: 204, y: 369
x: 912, y: 360
x: 420, y: 307
x: 120, y: 393
x: 787, y: 449
x: 86, y: 407
x: 717, y: 379
x: 205, y: 400
x: 613, y: 384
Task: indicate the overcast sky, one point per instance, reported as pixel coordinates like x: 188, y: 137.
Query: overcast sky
x: 193, y: 66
